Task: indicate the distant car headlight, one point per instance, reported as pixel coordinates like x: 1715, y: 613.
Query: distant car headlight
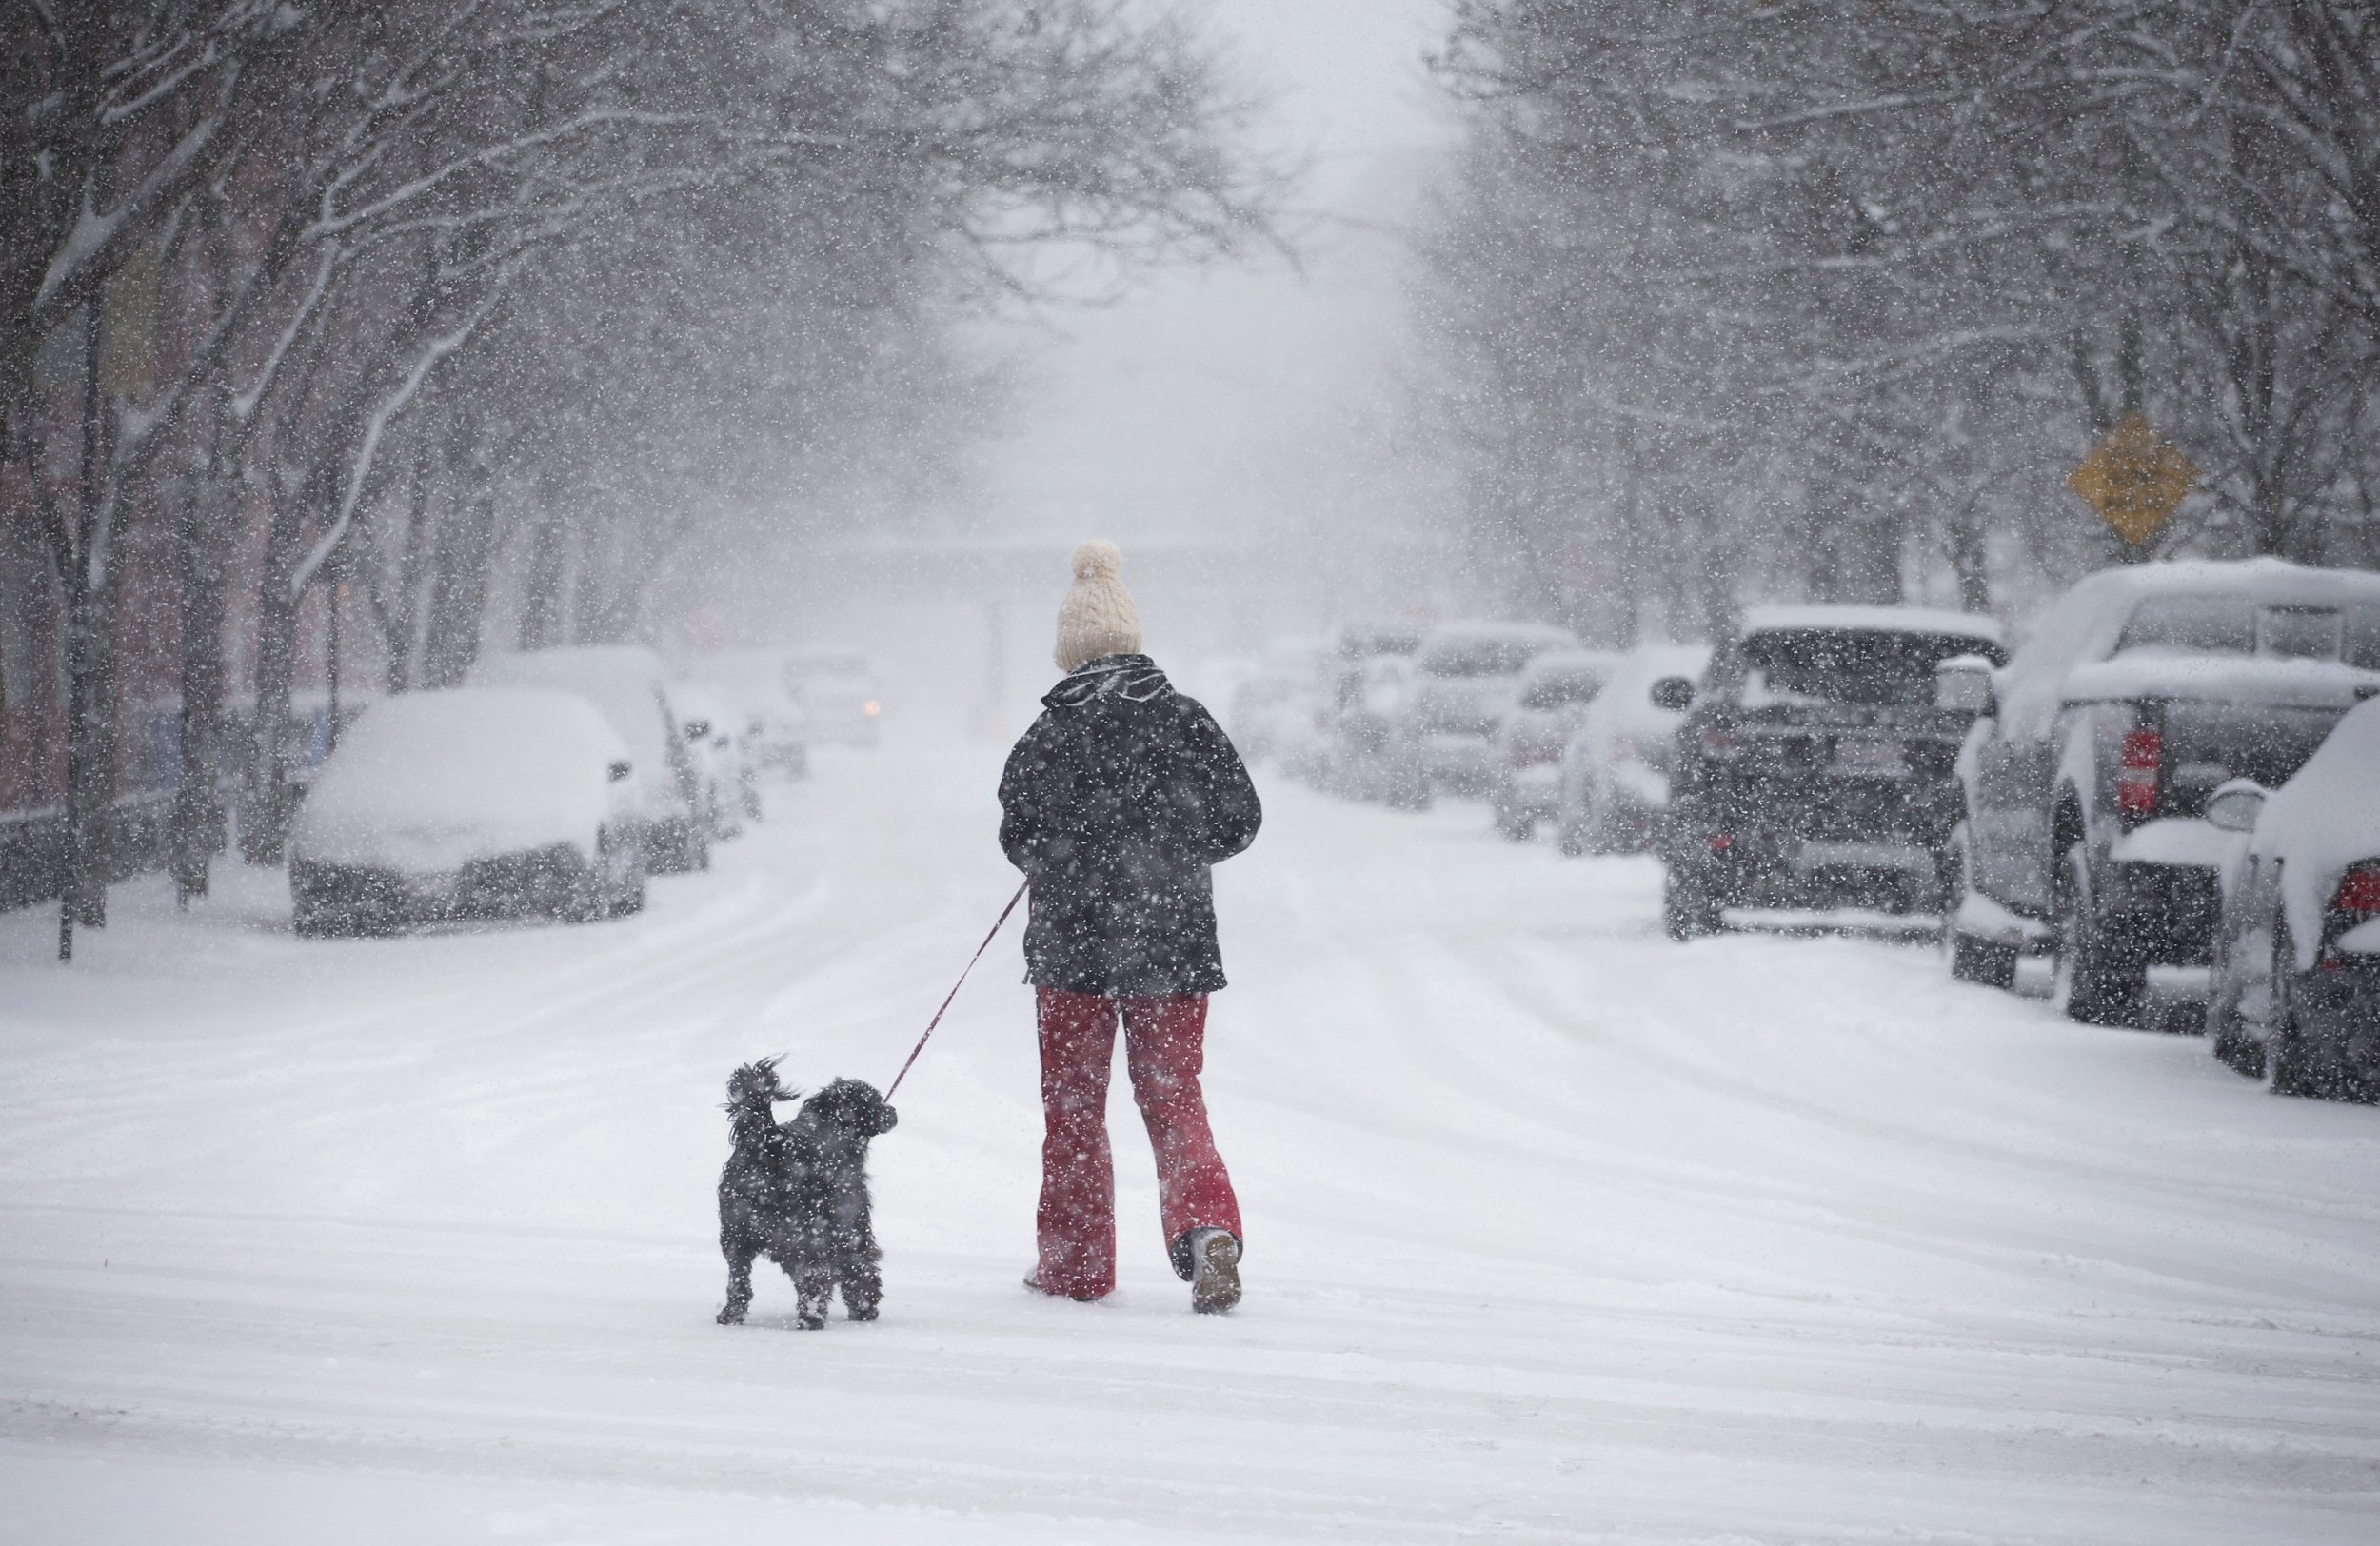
x: 870, y: 708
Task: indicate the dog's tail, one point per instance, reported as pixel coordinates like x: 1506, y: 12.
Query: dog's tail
x: 755, y: 1084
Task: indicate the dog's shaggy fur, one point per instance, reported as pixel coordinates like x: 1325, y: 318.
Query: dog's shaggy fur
x: 796, y: 1193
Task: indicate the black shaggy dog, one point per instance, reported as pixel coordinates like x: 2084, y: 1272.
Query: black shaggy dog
x: 796, y: 1193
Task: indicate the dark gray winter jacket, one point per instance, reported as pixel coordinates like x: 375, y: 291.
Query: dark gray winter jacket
x: 1116, y: 804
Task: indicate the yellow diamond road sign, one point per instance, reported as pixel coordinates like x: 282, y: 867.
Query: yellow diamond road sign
x: 2133, y: 478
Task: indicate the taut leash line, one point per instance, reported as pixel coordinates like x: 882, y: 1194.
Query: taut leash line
x: 955, y: 987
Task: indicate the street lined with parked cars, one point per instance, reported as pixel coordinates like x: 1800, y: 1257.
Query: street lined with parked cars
x: 553, y: 784
x: 2169, y: 774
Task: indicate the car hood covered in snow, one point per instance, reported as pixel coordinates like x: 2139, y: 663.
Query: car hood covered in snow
x: 2322, y: 822
x: 431, y: 781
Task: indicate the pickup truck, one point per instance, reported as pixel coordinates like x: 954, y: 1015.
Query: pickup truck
x: 2085, y: 778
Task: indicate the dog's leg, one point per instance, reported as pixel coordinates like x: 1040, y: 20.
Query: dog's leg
x: 739, y: 1254
x: 862, y: 1287
x: 863, y: 1279
x: 815, y: 1286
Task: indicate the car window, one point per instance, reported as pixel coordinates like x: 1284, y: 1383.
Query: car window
x: 2238, y: 625
x: 1561, y: 688
x: 2210, y: 625
x: 1850, y: 666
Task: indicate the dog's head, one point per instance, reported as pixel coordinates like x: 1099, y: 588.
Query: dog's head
x: 853, y: 1107
x: 755, y: 1084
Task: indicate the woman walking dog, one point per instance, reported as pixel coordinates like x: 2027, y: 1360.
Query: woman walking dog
x: 1116, y: 804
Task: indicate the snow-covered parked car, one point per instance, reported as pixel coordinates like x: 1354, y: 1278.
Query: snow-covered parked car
x: 1465, y: 676
x: 468, y: 802
x: 1278, y: 709
x: 1615, y: 771
x: 2296, y: 990
x: 774, y: 728
x: 837, y: 691
x: 1370, y: 758
x: 624, y: 683
x: 2141, y: 690
x: 1815, y: 767
x: 1555, y: 691
x: 707, y: 719
x: 1354, y: 732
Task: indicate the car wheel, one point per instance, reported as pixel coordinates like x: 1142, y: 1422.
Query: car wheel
x: 1688, y: 908
x: 2098, y: 983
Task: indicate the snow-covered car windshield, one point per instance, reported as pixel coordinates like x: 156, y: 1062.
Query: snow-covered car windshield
x: 1561, y: 688
x: 1852, y: 666
x: 2242, y: 625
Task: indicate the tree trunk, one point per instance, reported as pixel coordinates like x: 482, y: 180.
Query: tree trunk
x: 198, y: 816
x: 265, y: 809
x: 91, y: 594
x: 541, y: 598
x: 207, y: 518
x: 458, y: 594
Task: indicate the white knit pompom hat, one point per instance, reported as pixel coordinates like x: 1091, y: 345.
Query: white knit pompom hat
x: 1097, y: 617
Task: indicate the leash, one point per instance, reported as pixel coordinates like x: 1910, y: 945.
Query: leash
x: 955, y: 987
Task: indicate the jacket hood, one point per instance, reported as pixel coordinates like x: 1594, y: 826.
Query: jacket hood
x: 1132, y: 678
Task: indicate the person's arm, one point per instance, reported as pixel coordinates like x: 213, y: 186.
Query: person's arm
x: 1023, y: 789
x: 1228, y: 808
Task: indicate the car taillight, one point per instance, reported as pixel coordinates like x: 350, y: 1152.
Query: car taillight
x: 2136, y: 774
x: 1719, y: 741
x: 2359, y: 891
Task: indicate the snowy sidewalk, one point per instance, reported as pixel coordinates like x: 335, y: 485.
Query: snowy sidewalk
x: 1557, y: 1230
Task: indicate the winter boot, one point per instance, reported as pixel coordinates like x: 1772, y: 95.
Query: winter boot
x: 1214, y: 1258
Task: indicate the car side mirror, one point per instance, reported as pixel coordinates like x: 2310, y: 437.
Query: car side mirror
x: 2235, y: 806
x: 697, y: 729
x: 1675, y: 694
x: 1962, y: 684
x: 619, y: 771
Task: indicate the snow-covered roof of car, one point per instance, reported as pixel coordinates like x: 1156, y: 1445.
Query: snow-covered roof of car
x: 1875, y: 620
x: 2260, y: 579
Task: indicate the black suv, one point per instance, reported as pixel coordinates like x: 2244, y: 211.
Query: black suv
x: 1815, y: 767
x: 2140, y: 691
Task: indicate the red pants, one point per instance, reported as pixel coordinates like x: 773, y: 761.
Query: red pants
x: 1164, y: 1048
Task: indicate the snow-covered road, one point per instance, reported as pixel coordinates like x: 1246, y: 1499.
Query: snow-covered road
x: 1556, y: 1230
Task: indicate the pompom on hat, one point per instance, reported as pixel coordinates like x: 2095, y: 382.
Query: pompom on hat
x: 1097, y: 617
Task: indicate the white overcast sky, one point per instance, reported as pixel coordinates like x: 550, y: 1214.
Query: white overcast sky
x: 1147, y: 418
